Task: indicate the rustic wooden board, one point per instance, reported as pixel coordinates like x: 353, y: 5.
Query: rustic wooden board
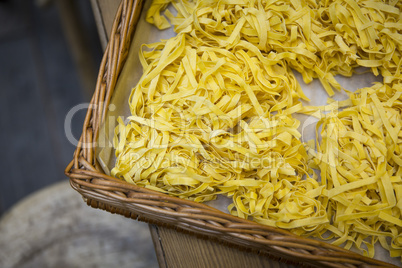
x: 176, y: 249
x: 104, y: 11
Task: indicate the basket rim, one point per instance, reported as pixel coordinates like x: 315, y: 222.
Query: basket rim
x: 117, y: 196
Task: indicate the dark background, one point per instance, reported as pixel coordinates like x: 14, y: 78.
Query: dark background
x: 42, y: 76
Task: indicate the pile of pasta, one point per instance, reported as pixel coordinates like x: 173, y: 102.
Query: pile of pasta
x: 360, y: 161
x: 213, y: 115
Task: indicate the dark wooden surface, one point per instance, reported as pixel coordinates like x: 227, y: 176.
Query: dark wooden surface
x: 39, y: 84
x: 176, y: 249
x: 104, y: 12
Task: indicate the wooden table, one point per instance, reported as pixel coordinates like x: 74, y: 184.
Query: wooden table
x: 173, y: 248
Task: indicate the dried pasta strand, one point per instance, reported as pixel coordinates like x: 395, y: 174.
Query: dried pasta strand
x: 212, y: 114
x: 196, y: 132
x: 364, y: 202
x: 319, y: 39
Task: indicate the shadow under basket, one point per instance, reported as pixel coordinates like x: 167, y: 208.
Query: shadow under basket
x: 117, y: 196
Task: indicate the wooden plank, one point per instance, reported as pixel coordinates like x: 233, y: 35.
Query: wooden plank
x: 176, y: 249
x: 104, y: 12
x: 157, y: 245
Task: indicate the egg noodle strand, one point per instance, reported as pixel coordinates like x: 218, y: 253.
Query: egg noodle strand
x: 212, y: 114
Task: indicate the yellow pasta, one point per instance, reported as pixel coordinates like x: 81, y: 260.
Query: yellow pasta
x: 360, y: 161
x: 319, y: 39
x: 202, y: 123
x: 212, y: 114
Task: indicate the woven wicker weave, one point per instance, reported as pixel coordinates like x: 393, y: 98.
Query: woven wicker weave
x: 116, y: 196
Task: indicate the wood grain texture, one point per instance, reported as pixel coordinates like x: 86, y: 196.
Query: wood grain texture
x: 176, y: 249
x: 104, y: 12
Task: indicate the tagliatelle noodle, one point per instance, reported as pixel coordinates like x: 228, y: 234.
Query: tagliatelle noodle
x: 319, y: 39
x: 360, y: 159
x: 204, y: 116
x: 202, y: 125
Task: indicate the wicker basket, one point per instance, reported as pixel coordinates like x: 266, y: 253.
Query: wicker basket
x: 116, y: 196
